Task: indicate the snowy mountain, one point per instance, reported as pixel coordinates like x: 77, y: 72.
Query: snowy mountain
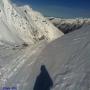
x: 69, y: 25
x: 28, y: 40
x: 23, y: 34
x: 24, y: 24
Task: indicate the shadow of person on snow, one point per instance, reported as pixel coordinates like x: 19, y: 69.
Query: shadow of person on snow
x: 43, y: 81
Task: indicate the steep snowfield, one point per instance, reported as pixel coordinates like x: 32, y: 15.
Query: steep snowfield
x: 7, y: 35
x: 30, y: 26
x: 69, y: 25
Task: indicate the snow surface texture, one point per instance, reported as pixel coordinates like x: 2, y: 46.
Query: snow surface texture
x: 68, y: 60
x: 69, y: 25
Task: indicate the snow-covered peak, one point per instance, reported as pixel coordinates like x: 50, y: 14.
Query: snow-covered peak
x: 30, y: 26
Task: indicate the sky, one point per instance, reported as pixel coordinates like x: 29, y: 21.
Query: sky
x: 59, y: 8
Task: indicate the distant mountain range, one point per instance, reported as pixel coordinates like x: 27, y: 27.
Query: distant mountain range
x: 69, y: 25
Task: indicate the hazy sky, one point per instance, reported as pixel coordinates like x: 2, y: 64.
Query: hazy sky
x: 60, y: 8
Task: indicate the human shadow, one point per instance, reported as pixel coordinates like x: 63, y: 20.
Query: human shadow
x: 43, y: 81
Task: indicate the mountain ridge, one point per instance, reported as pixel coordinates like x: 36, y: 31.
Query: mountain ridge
x: 30, y: 26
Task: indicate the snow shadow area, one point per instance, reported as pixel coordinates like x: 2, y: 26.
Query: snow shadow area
x: 43, y: 80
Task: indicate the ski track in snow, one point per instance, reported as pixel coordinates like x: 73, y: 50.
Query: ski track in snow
x: 16, y: 64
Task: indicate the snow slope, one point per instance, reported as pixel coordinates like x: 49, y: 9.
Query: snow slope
x: 67, y: 60
x: 23, y: 35
x: 28, y: 25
